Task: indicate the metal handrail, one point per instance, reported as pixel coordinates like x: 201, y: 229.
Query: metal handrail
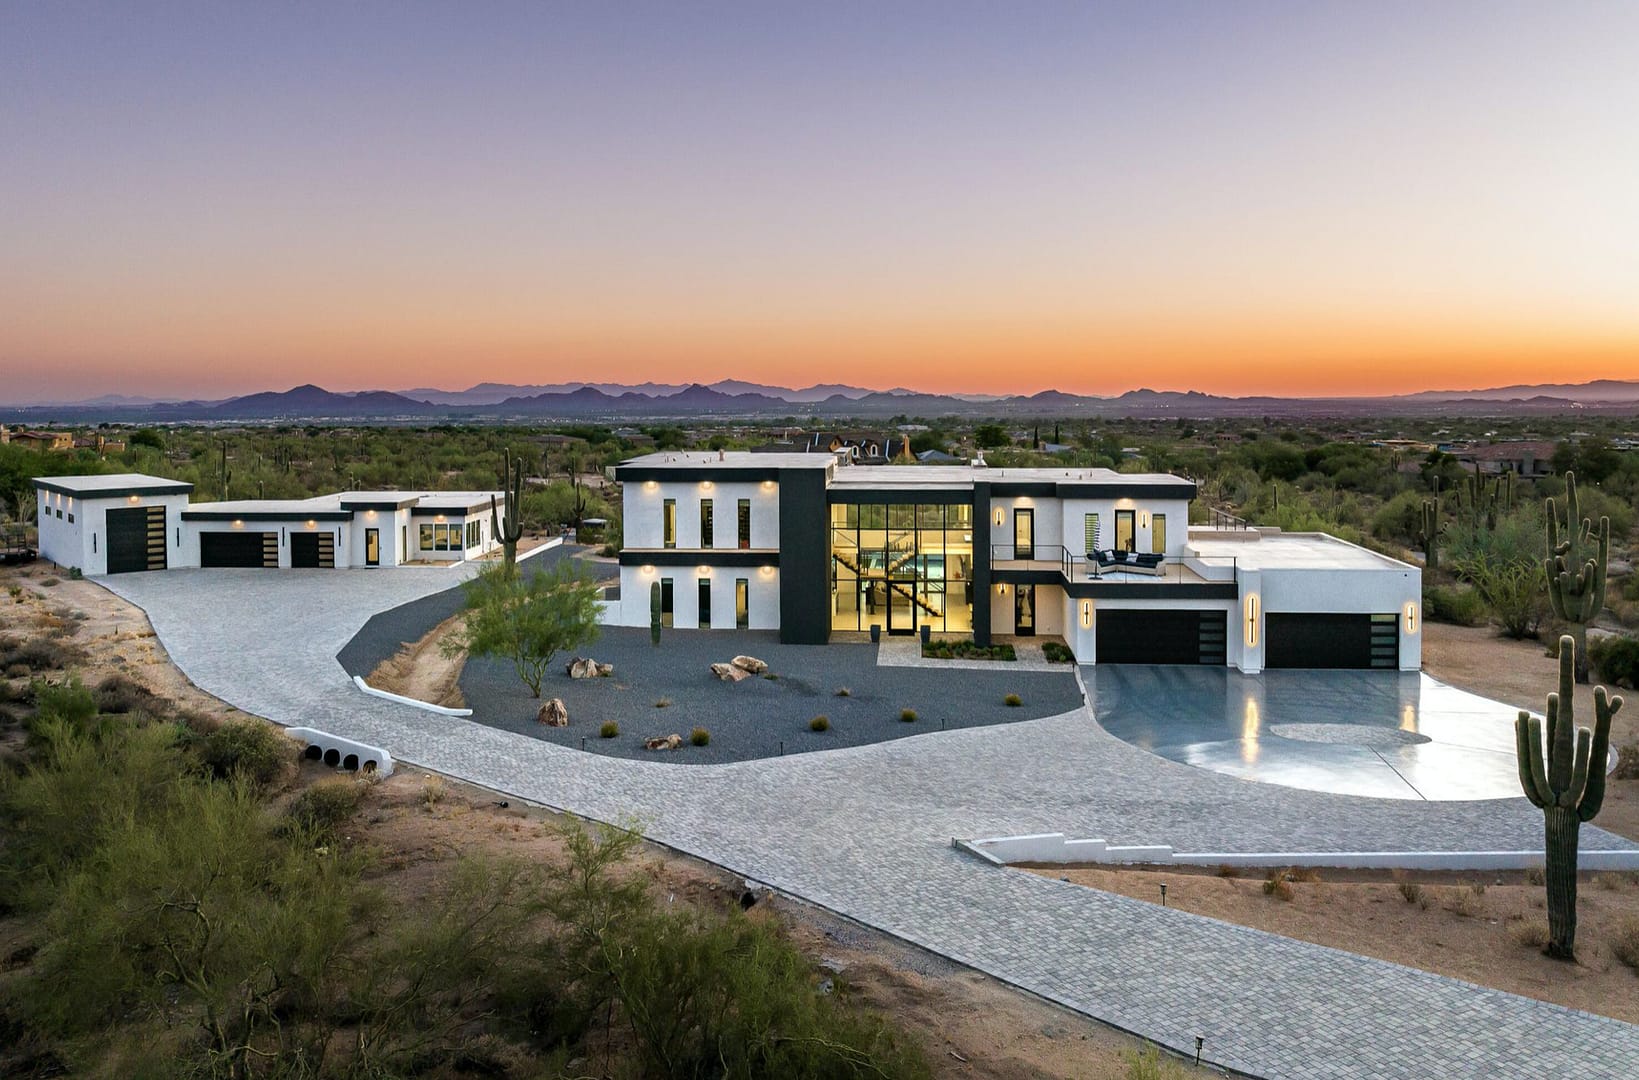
x: 1000, y: 553
x: 1149, y: 566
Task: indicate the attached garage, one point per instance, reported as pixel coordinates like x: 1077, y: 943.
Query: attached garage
x: 136, y: 539
x: 1161, y: 636
x: 238, y: 548
x: 1331, y: 640
x: 314, y: 550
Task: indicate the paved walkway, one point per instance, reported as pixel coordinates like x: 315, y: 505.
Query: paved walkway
x: 866, y: 832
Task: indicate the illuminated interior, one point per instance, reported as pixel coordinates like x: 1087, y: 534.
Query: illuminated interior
x: 902, y: 566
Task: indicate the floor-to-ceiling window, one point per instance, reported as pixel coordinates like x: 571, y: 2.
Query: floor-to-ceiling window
x: 902, y: 566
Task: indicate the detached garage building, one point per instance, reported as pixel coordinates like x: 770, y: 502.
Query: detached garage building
x: 128, y: 522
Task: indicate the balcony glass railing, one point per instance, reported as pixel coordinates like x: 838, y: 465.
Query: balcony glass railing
x: 1116, y: 565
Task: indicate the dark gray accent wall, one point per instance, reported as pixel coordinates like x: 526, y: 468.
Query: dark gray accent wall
x: 899, y: 495
x: 700, y: 556
x: 981, y: 562
x: 805, y: 556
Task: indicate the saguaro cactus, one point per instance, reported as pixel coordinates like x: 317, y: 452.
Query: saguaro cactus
x: 508, y: 528
x: 224, y: 475
x: 1429, y: 528
x: 654, y: 613
x: 1576, y: 569
x: 1563, y: 774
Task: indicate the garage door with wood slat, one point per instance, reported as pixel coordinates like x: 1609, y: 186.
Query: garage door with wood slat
x: 1331, y: 640
x: 238, y: 549
x: 317, y: 550
x: 136, y: 539
x: 1161, y: 637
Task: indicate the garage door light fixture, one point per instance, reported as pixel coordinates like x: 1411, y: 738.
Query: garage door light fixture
x: 1252, y: 620
x: 1411, y: 617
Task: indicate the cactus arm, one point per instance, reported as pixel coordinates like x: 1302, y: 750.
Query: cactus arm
x: 1528, y: 754
x: 1562, y: 719
x: 1571, y: 797
x: 1605, y: 707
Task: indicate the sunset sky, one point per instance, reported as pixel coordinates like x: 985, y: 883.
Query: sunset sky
x: 216, y: 198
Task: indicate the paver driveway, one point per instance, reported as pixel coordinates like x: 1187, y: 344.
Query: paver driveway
x: 866, y: 832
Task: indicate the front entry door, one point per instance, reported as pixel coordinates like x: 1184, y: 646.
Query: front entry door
x: 1024, y: 534
x: 372, y: 547
x: 902, y: 605
x: 1024, y: 610
x: 1126, y: 534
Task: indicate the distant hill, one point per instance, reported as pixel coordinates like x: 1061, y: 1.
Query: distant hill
x: 1603, y: 390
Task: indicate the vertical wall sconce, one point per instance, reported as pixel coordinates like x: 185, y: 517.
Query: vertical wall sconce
x: 1411, y: 617
x: 1086, y: 614
x: 1251, y: 620
x: 1001, y: 515
x: 1144, y: 519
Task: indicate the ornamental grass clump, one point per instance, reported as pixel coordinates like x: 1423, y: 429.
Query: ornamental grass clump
x: 907, y: 715
x: 609, y: 730
x: 700, y: 736
x: 819, y: 723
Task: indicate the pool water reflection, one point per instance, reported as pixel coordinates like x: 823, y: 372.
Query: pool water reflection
x: 1392, y: 735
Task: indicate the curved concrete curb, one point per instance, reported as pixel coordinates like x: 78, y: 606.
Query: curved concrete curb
x: 1056, y: 849
x: 342, y: 753
x: 400, y: 699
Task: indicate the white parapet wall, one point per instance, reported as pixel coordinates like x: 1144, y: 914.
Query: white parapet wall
x: 1055, y: 849
x: 442, y: 710
x: 342, y: 753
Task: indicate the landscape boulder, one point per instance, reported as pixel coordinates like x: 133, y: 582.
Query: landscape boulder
x: 729, y: 673
x: 663, y: 742
x: 584, y: 667
x: 749, y: 664
x: 554, y: 713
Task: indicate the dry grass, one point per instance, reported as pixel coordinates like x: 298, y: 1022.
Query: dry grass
x: 1625, y: 943
x: 1531, y: 933
x: 1279, y: 885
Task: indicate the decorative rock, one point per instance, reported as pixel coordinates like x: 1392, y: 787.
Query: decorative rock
x: 749, y: 664
x: 729, y: 673
x: 584, y: 667
x: 663, y: 742
x: 554, y: 713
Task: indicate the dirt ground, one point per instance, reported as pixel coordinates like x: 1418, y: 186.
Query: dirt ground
x: 420, y: 670
x: 971, y: 1025
x: 1522, y: 674
x: 1479, y: 927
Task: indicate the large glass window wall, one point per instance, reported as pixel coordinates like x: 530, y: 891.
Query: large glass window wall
x: 902, y: 566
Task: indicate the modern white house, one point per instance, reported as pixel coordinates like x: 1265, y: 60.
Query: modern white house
x: 811, y: 547
x: 125, y: 522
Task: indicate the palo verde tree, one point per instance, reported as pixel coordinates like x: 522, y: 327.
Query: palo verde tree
x: 1576, y: 569
x: 1563, y: 773
x: 527, y: 618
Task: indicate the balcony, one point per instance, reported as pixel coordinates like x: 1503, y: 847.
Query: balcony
x: 1116, y: 567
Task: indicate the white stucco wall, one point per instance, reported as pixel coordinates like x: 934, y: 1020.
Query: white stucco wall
x: 642, y: 505
x: 83, y: 542
x: 763, y: 596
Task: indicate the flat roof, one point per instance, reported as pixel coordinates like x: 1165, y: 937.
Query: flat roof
x: 729, y: 459
x: 111, y: 484
x: 1272, y: 550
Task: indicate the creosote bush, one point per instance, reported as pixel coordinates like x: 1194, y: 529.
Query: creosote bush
x: 1012, y: 701
x: 1057, y: 653
x: 907, y: 715
x: 1411, y: 892
x: 1279, y: 885
x: 1625, y: 942
x: 700, y: 736
x: 326, y: 805
x: 819, y: 723
x: 609, y: 730
x: 247, y: 749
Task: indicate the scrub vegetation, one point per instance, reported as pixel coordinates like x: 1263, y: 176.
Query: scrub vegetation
x: 526, y: 617
x: 170, y: 911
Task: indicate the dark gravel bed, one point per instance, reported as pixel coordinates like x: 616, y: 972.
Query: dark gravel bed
x: 388, y: 631
x: 753, y: 718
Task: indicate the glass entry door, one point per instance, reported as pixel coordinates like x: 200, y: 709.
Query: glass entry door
x: 902, y: 605
x: 372, y: 547
x: 1126, y: 536
x: 1024, y: 534
x: 1024, y: 610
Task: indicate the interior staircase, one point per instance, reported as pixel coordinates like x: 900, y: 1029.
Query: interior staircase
x: 899, y: 587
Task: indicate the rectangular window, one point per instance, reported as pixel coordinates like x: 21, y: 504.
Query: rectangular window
x: 426, y: 538
x: 1125, y: 529
x: 1090, y: 524
x: 1158, y: 533
x: 705, y: 603
x: 744, y: 523
x: 666, y: 602
x: 705, y: 523
x: 742, y: 603
x: 668, y: 523
x: 71, y: 517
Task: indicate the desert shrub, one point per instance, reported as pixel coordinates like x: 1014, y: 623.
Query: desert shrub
x: 1534, y: 876
x: 36, y: 654
x: 967, y: 650
x: 907, y: 715
x: 1513, y: 588
x: 1279, y: 885
x: 1150, y: 1064
x: 843, y: 691
x: 1454, y: 604
x: 326, y: 805
x: 609, y: 730
x: 17, y: 671
x: 247, y: 749
x: 1057, y: 653
x: 121, y: 694
x: 1627, y: 762
x: 1532, y: 933
x: 1465, y: 902
x: 1226, y: 871
x: 49, y: 582
x: 1308, y: 874
x: 663, y: 703
x: 819, y: 723
x: 1615, y: 659
x: 1012, y: 701
x: 1411, y: 892
x: 700, y: 736
x: 1625, y: 942
x: 433, y: 791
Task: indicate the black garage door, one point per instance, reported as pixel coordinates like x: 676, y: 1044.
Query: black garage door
x: 238, y: 549
x: 1161, y: 637
x: 1310, y: 640
x: 312, y: 549
x: 136, y: 539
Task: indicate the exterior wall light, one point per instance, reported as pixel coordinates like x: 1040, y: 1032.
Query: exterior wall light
x: 312, y: 524
x: 132, y: 499
x: 768, y: 485
x: 238, y: 524
x: 649, y: 485
x: 1252, y: 620
x: 436, y: 517
x: 1086, y: 614
x: 1411, y: 617
x: 706, y: 485
x: 1144, y: 520
x: 705, y: 571
x: 1001, y: 515
x: 647, y: 570
x: 1001, y: 590
x: 768, y: 571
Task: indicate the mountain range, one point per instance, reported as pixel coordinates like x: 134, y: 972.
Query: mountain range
x: 500, y: 402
